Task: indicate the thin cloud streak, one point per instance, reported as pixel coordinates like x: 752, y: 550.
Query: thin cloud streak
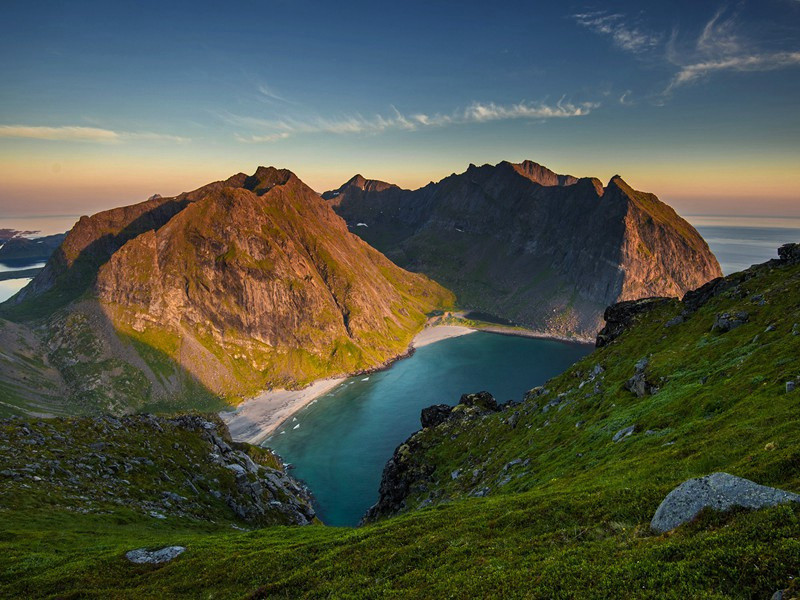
x: 624, y: 36
x: 81, y: 134
x: 756, y: 62
x: 275, y: 130
x: 267, y: 93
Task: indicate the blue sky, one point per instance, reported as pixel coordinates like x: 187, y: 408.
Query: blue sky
x: 104, y: 103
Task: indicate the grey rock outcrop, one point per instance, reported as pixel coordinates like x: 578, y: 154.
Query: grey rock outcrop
x: 638, y: 384
x: 718, y: 491
x: 623, y: 433
x: 727, y: 321
x: 154, y: 557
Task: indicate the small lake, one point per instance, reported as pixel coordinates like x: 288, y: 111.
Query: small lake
x: 20, y: 264
x: 340, y: 443
x: 9, y: 287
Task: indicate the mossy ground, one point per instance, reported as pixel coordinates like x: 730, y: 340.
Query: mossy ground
x: 572, y: 522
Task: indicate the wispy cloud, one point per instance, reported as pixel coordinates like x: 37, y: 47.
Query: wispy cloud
x: 720, y: 47
x: 269, y: 130
x: 81, y: 134
x: 719, y: 36
x: 624, y: 35
x: 255, y: 139
x: 749, y: 62
x: 269, y: 94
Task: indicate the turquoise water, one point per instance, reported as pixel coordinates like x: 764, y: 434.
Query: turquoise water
x: 342, y: 442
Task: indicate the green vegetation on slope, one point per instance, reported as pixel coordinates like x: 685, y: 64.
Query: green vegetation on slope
x: 721, y: 404
x: 569, y: 519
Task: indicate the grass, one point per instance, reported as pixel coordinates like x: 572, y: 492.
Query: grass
x: 572, y: 521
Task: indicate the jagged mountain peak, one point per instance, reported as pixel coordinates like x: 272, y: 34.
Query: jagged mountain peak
x: 368, y: 185
x: 265, y: 178
x: 540, y: 174
x: 359, y: 182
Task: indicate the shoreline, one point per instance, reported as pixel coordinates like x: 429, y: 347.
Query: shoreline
x: 257, y: 418
x: 530, y: 333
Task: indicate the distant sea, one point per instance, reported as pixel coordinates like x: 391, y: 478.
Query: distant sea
x: 738, y: 242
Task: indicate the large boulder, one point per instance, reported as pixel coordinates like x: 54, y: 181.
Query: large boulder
x: 719, y: 491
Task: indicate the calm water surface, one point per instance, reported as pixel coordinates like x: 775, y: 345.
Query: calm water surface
x: 340, y: 444
x: 739, y: 242
x: 9, y: 287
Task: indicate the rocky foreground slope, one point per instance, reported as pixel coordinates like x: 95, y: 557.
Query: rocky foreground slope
x: 184, y: 467
x: 601, y: 483
x: 521, y: 242
x: 241, y: 285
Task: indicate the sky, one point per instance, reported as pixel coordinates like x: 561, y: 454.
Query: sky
x: 105, y: 103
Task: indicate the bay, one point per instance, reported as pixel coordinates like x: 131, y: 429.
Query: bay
x: 339, y: 444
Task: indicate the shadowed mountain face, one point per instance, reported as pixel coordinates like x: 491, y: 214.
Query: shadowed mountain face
x: 522, y: 242
x: 241, y: 285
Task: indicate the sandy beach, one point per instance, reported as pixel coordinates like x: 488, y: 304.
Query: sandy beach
x: 437, y: 333
x: 256, y: 419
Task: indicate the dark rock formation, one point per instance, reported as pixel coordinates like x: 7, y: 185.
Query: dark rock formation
x: 433, y: 415
x: 718, y: 491
x: 789, y: 254
x: 519, y: 241
x: 483, y: 401
x: 404, y: 473
x: 621, y: 316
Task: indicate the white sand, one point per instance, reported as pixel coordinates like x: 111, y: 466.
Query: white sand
x: 255, y: 419
x: 437, y: 333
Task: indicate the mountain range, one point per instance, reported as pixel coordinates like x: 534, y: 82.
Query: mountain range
x: 521, y: 242
x: 255, y: 282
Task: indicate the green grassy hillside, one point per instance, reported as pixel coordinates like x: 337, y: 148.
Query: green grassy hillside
x: 533, y: 501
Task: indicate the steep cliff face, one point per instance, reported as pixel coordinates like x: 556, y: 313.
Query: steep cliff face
x: 522, y: 242
x: 264, y: 285
x: 243, y: 284
x: 72, y: 268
